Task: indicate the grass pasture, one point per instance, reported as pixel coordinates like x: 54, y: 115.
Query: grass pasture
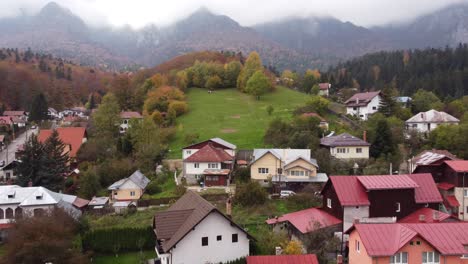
x: 233, y: 116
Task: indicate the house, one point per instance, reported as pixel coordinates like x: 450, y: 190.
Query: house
x: 430, y: 161
x: 428, y: 215
x: 283, y: 259
x: 8, y: 173
x: 52, y: 113
x: 72, y: 137
x: 2, y: 142
x: 98, y: 203
x: 16, y: 201
x: 129, y: 189
x: 454, y: 187
x: 211, y: 160
x: 362, y: 105
x: 298, y: 224
x: 75, y: 111
x: 409, y: 243
x: 125, y: 118
x: 193, y: 231
x: 427, y: 121
x: 285, y: 167
x: 324, y: 89
x: 404, y: 101
x: 6, y: 122
x: 124, y: 206
x: 19, y: 114
x: 323, y: 123
x: 346, y: 146
x: 378, y: 196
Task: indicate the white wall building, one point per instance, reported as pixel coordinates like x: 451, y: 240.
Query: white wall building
x: 427, y: 121
x: 363, y: 104
x: 193, y: 231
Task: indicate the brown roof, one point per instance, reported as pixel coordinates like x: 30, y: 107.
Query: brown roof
x: 72, y: 136
x: 344, y: 139
x: 430, y: 156
x: 176, y: 222
x: 80, y: 203
x: 128, y: 115
x: 209, y: 154
x: 361, y: 99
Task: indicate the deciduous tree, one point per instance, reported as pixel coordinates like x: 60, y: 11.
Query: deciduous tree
x: 258, y: 84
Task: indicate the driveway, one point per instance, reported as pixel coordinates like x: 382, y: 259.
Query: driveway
x: 8, y: 154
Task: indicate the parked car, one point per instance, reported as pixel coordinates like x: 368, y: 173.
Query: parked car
x: 286, y: 193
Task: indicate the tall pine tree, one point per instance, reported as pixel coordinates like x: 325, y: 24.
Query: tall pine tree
x: 31, y: 162
x: 383, y: 144
x: 56, y: 162
x: 38, y: 108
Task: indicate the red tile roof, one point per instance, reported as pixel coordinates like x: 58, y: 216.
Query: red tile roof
x: 6, y: 120
x: 349, y: 190
x: 427, y: 191
x: 387, y: 182
x: 72, y: 136
x: 458, y: 165
x: 428, y: 216
x: 14, y: 113
x: 209, y: 154
x: 452, y: 201
x: 445, y: 186
x: 383, y: 239
x: 128, y: 115
x: 283, y: 259
x: 361, y: 99
x: 304, y: 220
x: 352, y: 190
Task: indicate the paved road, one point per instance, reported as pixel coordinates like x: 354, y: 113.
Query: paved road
x: 13, y: 146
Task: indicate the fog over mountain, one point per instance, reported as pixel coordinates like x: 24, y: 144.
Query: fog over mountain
x: 296, y: 42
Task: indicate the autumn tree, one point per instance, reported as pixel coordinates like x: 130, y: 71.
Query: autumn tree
x: 182, y: 80
x: 288, y: 78
x: 106, y: 118
x: 293, y: 247
x: 310, y: 78
x: 39, y: 108
x: 252, y: 65
x: 159, y: 80
x: 122, y: 91
x: 44, y: 239
x: 231, y: 73
x: 258, y: 84
x: 213, y: 82
x: 320, y: 241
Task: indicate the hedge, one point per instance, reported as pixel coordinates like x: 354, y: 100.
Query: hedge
x: 113, y: 240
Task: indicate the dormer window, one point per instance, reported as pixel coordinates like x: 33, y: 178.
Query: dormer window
x: 39, y: 196
x: 11, y: 195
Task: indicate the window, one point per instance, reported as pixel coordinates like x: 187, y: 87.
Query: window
x: 296, y: 173
x: 188, y: 152
x: 414, y: 125
x: 464, y: 256
x: 196, y: 165
x: 465, y: 192
x: 204, y: 241
x: 430, y: 258
x: 235, y: 238
x: 411, y: 243
x: 132, y: 193
x: 125, y: 121
x: 374, y: 108
x: 341, y: 150
x: 357, y: 246
x: 358, y: 150
x: 279, y: 171
x: 263, y: 170
x: 398, y: 207
x: 399, y: 258
x: 212, y: 165
x: 212, y: 178
x: 219, y: 238
x: 329, y: 204
x: 418, y: 243
x: 354, y: 108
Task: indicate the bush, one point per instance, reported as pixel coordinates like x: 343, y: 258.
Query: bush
x: 242, y: 175
x: 179, y: 107
x: 114, y: 240
x: 250, y: 193
x: 153, y: 188
x: 69, y: 182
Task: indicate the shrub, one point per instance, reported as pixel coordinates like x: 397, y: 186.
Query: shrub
x: 242, y: 175
x: 250, y: 193
x: 179, y: 107
x: 113, y: 240
x: 153, y: 188
x: 270, y: 110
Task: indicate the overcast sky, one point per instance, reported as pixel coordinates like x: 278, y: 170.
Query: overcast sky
x: 138, y: 13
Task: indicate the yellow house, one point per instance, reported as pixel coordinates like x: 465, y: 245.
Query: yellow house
x: 285, y: 166
x: 129, y: 189
x: 346, y: 146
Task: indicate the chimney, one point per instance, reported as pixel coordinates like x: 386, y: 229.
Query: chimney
x: 30, y: 183
x: 229, y: 207
x: 357, y: 100
x: 422, y: 218
x: 278, y: 251
x: 339, y: 259
x: 435, y: 216
x: 364, y: 135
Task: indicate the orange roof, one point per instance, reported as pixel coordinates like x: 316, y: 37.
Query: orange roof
x: 72, y: 136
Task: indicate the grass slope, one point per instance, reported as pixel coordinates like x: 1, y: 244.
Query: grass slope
x: 125, y: 258
x: 233, y: 116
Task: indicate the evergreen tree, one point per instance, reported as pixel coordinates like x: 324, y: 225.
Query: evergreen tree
x: 388, y: 105
x: 39, y: 108
x: 383, y: 144
x: 56, y: 162
x: 31, y: 162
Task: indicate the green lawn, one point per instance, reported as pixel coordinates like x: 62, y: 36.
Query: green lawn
x: 125, y: 258
x: 137, y: 219
x: 233, y: 116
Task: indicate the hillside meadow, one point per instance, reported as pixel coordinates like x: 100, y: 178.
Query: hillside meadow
x: 233, y: 116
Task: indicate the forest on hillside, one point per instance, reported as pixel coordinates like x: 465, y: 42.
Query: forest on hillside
x: 442, y: 71
x: 24, y: 74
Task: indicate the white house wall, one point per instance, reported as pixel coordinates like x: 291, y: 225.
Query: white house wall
x: 351, y: 152
x: 363, y: 112
x: 188, y: 152
x: 350, y: 213
x: 190, y: 167
x: 190, y: 250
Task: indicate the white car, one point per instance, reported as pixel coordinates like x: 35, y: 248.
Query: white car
x: 286, y: 193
